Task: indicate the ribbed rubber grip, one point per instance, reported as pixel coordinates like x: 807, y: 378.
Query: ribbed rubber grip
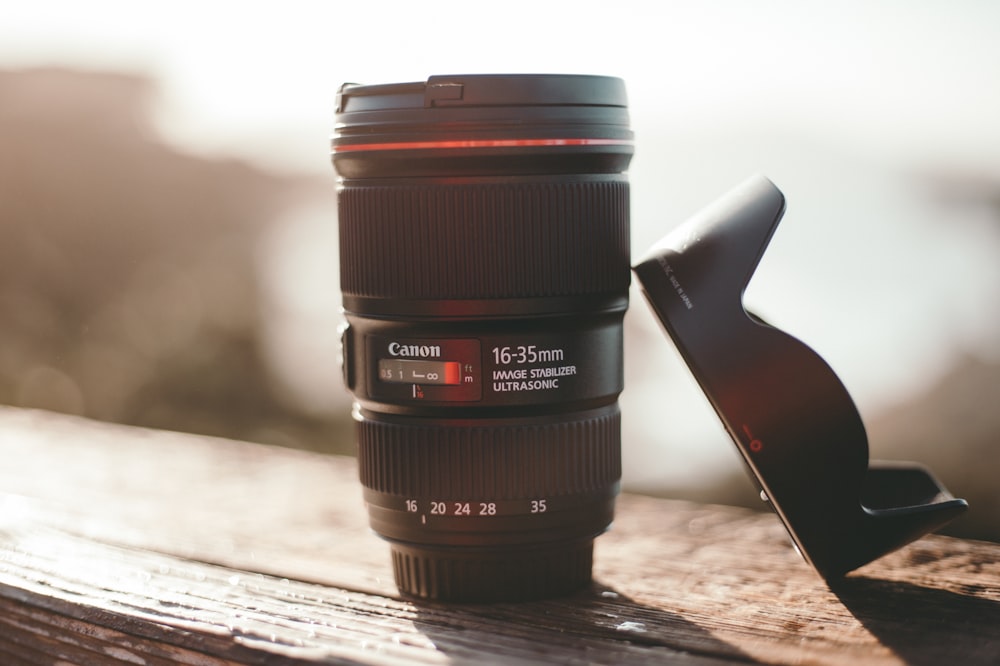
x: 483, y: 240
x: 492, y: 462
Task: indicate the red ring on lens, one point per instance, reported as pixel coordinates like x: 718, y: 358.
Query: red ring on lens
x: 479, y: 143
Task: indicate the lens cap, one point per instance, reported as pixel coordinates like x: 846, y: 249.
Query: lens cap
x: 477, y: 90
x: 788, y: 413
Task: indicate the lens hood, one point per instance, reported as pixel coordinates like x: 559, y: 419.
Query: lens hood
x: 788, y: 413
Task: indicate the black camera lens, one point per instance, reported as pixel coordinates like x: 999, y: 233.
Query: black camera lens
x: 484, y: 249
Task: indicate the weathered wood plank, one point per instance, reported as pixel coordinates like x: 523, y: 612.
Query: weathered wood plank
x: 161, y: 602
x: 154, y: 547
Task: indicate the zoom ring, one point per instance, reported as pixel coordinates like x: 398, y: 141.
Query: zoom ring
x: 491, y: 462
x: 485, y: 240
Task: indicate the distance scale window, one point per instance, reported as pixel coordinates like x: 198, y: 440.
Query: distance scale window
x: 438, y: 370
x: 404, y: 371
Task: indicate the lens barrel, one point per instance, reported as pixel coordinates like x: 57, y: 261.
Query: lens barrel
x: 484, y: 248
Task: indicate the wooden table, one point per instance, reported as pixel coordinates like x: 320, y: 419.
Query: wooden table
x: 145, y: 547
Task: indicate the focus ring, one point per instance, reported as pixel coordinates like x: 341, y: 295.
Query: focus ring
x: 482, y: 240
x: 485, y: 463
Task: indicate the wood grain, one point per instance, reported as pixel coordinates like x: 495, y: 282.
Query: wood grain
x: 127, y: 545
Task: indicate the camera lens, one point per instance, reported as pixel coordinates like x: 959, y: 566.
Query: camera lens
x: 484, y: 249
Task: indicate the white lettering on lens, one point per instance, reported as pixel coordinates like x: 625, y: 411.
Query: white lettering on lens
x: 526, y: 354
x: 536, y: 385
x: 415, y: 351
x: 552, y: 372
x: 510, y: 374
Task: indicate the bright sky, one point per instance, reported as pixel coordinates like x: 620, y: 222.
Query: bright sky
x: 839, y: 102
x: 258, y: 78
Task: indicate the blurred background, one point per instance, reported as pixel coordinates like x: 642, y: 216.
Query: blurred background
x: 168, y: 252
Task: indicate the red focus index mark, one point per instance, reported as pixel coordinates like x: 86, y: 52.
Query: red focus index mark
x: 755, y: 444
x: 452, y: 372
x: 479, y: 143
